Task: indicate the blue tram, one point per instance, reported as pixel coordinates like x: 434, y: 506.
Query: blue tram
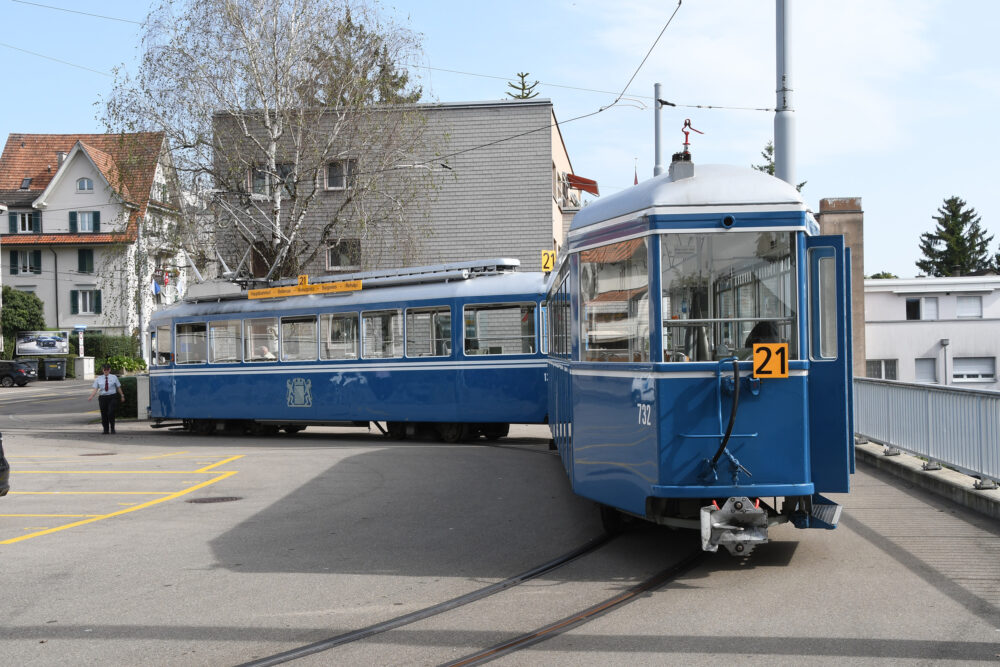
x: 455, y: 347
x: 700, y: 356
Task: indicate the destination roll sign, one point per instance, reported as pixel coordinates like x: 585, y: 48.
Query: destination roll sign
x: 303, y: 287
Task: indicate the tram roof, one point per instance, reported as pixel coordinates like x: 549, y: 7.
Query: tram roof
x: 714, y: 187
x: 512, y: 284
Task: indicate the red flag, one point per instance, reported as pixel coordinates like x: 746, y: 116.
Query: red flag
x: 636, y: 177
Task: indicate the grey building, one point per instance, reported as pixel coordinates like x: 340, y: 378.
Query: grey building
x: 484, y: 179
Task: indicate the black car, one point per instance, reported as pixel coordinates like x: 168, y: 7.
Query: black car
x: 4, y: 472
x: 14, y: 372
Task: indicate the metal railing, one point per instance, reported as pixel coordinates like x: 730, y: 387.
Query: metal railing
x: 954, y: 426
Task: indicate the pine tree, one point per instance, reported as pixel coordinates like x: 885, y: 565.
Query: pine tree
x: 958, y: 245
x: 524, y: 90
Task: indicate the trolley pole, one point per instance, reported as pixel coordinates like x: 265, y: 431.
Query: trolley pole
x: 658, y: 155
x: 784, y: 118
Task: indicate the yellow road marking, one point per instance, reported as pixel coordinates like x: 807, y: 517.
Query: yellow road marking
x: 89, y: 493
x: 114, y: 472
x: 172, y: 496
x: 46, y: 515
x: 216, y: 465
x: 161, y: 456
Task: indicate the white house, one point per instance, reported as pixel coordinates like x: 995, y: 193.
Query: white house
x: 935, y: 330
x: 89, y: 226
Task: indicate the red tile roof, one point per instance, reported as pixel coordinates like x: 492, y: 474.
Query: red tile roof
x: 127, y: 161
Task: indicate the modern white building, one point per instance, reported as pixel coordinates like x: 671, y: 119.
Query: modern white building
x: 934, y: 330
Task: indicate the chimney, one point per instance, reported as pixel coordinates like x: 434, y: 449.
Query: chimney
x: 60, y: 157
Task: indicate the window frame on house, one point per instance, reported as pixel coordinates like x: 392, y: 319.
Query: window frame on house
x: 883, y: 366
x: 77, y: 219
x: 85, y: 260
x: 965, y: 312
x: 922, y: 304
x: 26, y: 183
x: 85, y: 300
x: 351, y: 251
x: 25, y: 262
x: 973, y: 369
x: 25, y: 222
x: 84, y: 185
x: 346, y: 177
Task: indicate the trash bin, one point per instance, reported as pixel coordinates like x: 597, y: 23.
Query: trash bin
x: 55, y: 368
x: 33, y: 363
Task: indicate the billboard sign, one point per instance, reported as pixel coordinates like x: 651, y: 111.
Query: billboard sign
x: 42, y: 343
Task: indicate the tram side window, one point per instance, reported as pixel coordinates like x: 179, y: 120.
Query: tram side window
x: 298, y: 338
x: 560, y: 344
x: 260, y: 339
x: 723, y: 293
x: 340, y: 336
x: 383, y: 334
x: 500, y: 329
x: 191, y: 343
x: 614, y: 294
x: 428, y: 332
x: 162, y: 349
x: 224, y: 341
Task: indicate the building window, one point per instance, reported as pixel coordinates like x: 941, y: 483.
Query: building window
x: 344, y: 255
x: 29, y: 222
x: 974, y: 369
x: 340, y: 174
x: 84, y: 185
x: 969, y: 307
x: 85, y: 260
x: 85, y: 302
x: 922, y: 308
x: 926, y: 370
x: 881, y: 369
x: 25, y: 183
x: 25, y: 261
x: 88, y: 222
x: 258, y: 181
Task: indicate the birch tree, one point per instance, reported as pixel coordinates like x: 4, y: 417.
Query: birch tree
x: 263, y: 103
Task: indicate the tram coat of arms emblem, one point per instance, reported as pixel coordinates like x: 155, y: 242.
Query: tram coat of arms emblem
x: 299, y: 393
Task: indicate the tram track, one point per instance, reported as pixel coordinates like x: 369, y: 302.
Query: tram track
x: 427, y: 612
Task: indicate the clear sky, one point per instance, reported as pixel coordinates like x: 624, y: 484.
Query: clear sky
x: 897, y: 101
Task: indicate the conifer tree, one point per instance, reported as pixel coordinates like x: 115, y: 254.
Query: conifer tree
x: 958, y: 245
x: 524, y: 90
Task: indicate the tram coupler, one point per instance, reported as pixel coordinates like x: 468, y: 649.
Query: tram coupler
x: 739, y: 525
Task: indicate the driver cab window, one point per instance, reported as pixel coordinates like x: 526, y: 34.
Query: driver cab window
x: 724, y: 292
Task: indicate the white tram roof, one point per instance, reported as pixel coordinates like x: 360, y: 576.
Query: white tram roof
x: 497, y: 285
x: 712, y: 188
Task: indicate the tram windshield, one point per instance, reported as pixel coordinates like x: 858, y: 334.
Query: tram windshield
x: 724, y: 292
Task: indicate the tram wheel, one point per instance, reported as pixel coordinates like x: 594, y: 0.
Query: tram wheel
x: 204, y: 426
x: 396, y: 430
x: 452, y: 432
x: 293, y: 429
x: 495, y: 431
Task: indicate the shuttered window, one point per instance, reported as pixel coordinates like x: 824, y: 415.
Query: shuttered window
x: 85, y: 260
x: 926, y: 370
x: 969, y: 307
x: 974, y: 369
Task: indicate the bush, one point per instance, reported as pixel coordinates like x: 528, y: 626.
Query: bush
x: 130, y: 407
x: 101, y: 346
x: 121, y: 364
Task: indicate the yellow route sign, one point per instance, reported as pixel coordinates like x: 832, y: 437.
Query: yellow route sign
x: 548, y: 260
x: 303, y: 287
x: 770, y: 360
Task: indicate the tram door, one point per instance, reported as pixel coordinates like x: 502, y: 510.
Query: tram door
x: 830, y: 376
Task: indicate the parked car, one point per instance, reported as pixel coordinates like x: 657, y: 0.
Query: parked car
x: 14, y: 372
x: 4, y: 473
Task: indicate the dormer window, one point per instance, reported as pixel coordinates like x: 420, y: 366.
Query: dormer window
x: 26, y: 183
x: 84, y: 185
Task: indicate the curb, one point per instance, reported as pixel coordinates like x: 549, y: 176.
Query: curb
x: 950, y: 484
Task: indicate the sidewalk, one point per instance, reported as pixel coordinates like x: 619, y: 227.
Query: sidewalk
x: 953, y: 485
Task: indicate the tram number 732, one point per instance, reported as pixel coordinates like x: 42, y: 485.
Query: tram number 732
x: 770, y: 360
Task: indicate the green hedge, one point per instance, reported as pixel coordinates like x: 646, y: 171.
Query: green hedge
x: 130, y: 407
x: 101, y: 346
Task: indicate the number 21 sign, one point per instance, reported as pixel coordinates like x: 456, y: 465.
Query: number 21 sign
x: 770, y: 360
